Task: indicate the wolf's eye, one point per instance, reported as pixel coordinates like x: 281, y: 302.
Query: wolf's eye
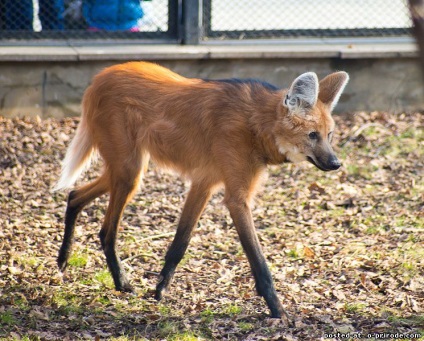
x: 313, y: 135
x: 330, y: 136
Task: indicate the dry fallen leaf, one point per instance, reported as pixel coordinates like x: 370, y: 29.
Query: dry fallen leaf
x: 309, y: 253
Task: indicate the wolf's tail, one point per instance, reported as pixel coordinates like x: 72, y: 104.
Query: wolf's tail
x: 77, y: 158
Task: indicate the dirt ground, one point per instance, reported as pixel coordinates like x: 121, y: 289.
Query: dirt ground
x: 345, y: 248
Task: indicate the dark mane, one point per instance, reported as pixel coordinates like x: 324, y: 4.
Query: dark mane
x: 248, y: 81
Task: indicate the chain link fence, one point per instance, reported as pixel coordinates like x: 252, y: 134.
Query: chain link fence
x: 219, y: 19
x: 305, y: 18
x: 87, y: 19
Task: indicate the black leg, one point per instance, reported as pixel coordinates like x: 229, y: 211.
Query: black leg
x: 241, y: 215
x: 76, y: 201
x: 114, y: 263
x: 71, y: 216
x: 120, y: 194
x: 193, y: 208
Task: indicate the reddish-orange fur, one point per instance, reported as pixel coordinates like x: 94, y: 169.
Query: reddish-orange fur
x: 210, y: 132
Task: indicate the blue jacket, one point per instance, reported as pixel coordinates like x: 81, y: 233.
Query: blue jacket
x: 112, y: 15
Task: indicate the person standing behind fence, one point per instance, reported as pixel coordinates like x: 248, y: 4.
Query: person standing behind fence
x: 19, y: 15
x: 51, y: 14
x: 112, y: 15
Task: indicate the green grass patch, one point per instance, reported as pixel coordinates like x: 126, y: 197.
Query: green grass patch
x: 373, y: 230
x: 6, y: 318
x: 78, y: 260
x: 245, y: 326
x: 337, y: 212
x: 31, y: 262
x: 164, y: 310
x: 361, y: 171
x: 184, y: 336
x: 412, y: 321
x: 60, y: 300
x: 409, y: 268
x: 103, y: 300
x: 293, y: 253
x: 407, y: 142
x: 355, y: 307
x: 105, y: 278
x: 232, y: 310
x: 207, y: 315
x: 375, y: 224
x: 67, y: 303
x: 21, y: 302
x: 167, y: 328
x: 21, y: 338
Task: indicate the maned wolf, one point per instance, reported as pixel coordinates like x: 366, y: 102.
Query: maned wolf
x: 213, y: 132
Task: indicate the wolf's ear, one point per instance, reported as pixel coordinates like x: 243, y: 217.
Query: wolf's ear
x: 331, y: 87
x: 303, y: 93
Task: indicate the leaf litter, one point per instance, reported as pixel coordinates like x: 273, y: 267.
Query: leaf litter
x: 345, y: 248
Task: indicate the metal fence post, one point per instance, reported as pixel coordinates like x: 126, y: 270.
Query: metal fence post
x: 192, y: 22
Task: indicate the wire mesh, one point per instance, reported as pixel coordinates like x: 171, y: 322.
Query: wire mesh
x: 222, y: 19
x: 281, y: 18
x: 86, y: 19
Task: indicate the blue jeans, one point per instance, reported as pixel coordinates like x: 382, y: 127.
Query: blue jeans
x: 19, y: 14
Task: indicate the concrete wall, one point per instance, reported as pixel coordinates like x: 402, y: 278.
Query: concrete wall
x: 54, y: 88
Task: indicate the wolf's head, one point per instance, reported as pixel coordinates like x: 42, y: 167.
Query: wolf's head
x: 305, y: 128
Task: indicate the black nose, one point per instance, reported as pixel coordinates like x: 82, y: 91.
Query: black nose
x: 334, y: 163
